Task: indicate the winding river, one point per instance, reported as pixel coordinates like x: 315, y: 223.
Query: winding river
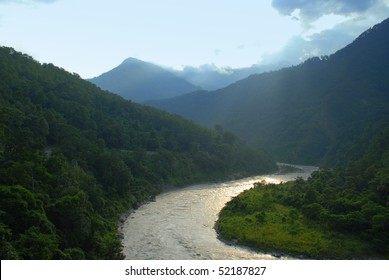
x: 179, y: 225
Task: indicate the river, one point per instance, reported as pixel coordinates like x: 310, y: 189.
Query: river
x: 179, y: 225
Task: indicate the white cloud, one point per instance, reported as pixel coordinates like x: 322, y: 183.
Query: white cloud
x: 326, y: 42
x: 311, y: 10
x: 329, y: 26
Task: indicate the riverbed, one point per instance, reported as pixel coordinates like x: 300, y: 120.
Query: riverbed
x: 179, y: 225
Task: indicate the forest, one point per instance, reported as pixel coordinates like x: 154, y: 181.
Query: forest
x: 339, y: 213
x: 329, y: 111
x: 74, y: 158
x: 314, y: 113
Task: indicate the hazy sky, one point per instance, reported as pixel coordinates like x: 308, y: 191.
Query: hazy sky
x: 90, y: 37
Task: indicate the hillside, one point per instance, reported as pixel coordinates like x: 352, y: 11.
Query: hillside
x: 336, y: 214
x: 337, y: 107
x: 320, y: 112
x: 140, y: 81
x: 73, y: 158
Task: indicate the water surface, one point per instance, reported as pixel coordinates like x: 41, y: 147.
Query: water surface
x: 179, y: 225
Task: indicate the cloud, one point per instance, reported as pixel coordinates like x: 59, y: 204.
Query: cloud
x: 327, y: 42
x: 358, y: 16
x: 311, y: 10
x: 207, y: 68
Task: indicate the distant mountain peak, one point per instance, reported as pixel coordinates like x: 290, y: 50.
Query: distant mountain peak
x: 133, y: 60
x: 141, y: 81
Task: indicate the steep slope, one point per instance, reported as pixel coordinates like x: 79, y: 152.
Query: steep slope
x: 73, y: 158
x: 140, y: 81
x: 338, y: 213
x: 321, y: 111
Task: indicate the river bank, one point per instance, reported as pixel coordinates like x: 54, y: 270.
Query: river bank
x: 290, y: 218
x: 180, y: 223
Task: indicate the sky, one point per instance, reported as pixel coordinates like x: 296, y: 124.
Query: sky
x: 90, y: 37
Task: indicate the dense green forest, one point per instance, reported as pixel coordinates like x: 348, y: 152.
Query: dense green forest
x: 73, y: 158
x: 331, y: 110
x: 320, y: 112
x: 337, y: 213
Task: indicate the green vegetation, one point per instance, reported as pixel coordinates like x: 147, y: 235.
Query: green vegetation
x: 318, y: 113
x: 335, y: 214
x: 328, y: 111
x: 73, y: 158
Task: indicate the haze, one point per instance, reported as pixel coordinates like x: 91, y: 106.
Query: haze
x: 90, y: 37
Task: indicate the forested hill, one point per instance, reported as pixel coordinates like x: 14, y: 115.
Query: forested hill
x: 141, y: 81
x: 340, y: 213
x: 73, y: 158
x: 320, y: 112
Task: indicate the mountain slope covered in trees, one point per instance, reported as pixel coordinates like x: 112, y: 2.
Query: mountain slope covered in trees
x: 320, y: 112
x: 73, y: 158
x: 338, y: 213
x: 141, y: 81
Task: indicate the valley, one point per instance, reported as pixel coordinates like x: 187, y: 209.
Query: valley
x: 320, y: 112
x: 75, y: 156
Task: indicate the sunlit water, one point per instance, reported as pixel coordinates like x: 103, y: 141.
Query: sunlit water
x: 180, y: 223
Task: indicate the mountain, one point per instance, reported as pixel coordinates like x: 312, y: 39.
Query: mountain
x: 140, y: 81
x: 320, y: 112
x: 143, y: 81
x: 74, y: 158
x: 311, y: 218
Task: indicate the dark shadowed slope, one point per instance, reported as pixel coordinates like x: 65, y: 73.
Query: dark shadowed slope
x: 321, y: 111
x: 73, y: 158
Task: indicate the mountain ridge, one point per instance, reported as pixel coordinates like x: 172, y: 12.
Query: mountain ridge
x: 74, y: 158
x: 140, y: 81
x: 133, y: 79
x: 306, y: 113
